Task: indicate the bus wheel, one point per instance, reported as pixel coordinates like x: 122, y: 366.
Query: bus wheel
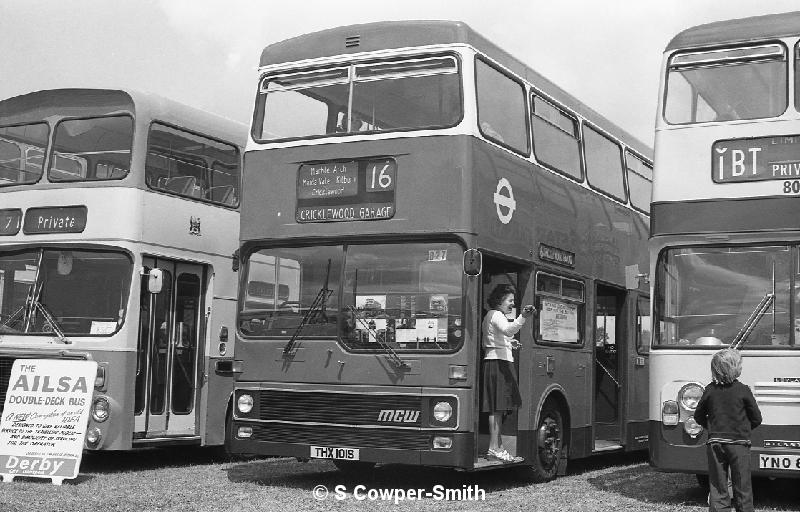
x: 353, y: 467
x: 549, y: 444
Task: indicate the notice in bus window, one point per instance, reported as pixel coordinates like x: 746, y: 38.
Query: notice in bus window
x: 558, y: 321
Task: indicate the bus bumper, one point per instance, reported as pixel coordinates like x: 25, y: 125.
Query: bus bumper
x: 775, y: 451
x: 393, y: 445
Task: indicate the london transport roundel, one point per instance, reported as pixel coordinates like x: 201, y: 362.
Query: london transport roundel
x: 504, y: 201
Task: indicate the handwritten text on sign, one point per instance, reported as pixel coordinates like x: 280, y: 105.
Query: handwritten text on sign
x: 44, y: 418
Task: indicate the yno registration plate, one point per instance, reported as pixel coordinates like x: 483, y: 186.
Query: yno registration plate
x: 331, y: 452
x: 779, y: 462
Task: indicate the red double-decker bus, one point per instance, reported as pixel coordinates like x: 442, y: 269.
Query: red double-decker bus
x: 396, y: 173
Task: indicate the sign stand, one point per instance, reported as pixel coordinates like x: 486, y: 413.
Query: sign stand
x: 45, y: 417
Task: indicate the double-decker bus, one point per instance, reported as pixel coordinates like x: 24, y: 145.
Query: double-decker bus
x: 396, y: 173
x: 118, y: 221
x: 724, y: 249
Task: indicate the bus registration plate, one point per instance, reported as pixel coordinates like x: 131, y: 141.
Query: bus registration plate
x: 332, y: 452
x: 779, y: 462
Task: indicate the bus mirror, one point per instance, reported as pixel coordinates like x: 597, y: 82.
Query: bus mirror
x: 155, y: 280
x: 633, y: 279
x: 473, y: 262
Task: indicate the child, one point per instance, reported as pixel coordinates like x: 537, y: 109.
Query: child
x: 729, y: 412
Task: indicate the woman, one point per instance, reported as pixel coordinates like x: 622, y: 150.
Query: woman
x: 500, y: 388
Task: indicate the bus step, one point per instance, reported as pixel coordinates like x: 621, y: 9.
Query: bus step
x: 484, y: 463
x: 601, y: 445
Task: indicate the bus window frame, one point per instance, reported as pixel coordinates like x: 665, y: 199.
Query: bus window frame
x: 350, y: 65
x: 125, y: 306
x: 623, y: 165
x: 569, y: 300
x: 340, y: 292
x: 643, y: 348
x: 209, y: 168
x: 526, y: 110
x: 628, y: 169
x: 578, y: 136
x: 29, y: 147
x: 51, y: 149
x: 662, y: 110
x: 793, y: 309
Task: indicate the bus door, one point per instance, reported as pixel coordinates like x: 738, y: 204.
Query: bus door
x: 609, y: 350
x: 497, y: 272
x: 170, y: 346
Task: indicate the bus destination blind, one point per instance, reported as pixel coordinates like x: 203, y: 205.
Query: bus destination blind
x: 346, y: 191
x: 63, y: 219
x: 756, y: 159
x: 10, y: 221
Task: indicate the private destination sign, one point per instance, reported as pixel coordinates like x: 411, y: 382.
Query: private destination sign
x: 757, y: 159
x: 349, y: 190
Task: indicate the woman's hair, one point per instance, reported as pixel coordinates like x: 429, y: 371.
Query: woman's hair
x: 726, y: 366
x: 497, y: 295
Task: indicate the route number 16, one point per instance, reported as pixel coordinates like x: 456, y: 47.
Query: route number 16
x: 380, y: 175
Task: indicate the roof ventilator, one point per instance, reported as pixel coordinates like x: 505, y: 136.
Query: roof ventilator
x: 352, y: 41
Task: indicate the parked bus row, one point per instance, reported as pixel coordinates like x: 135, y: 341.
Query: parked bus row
x: 394, y: 175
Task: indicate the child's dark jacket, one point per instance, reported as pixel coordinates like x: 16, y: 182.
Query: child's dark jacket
x: 728, y: 411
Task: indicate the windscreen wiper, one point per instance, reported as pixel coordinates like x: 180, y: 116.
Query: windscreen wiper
x: 752, y: 320
x: 59, y: 332
x: 318, y: 305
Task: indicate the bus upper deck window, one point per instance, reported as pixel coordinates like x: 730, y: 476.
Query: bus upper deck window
x: 423, y: 92
x: 726, y: 84
x: 22, y: 153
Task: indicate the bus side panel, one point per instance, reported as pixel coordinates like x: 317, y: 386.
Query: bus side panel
x: 218, y: 385
x: 120, y: 368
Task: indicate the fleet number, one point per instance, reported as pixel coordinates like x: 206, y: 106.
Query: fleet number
x: 791, y: 187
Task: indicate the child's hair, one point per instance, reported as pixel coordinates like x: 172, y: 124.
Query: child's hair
x: 726, y: 366
x: 498, y: 294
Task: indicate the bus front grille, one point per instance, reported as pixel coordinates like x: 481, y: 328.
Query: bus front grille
x: 5, y: 374
x: 341, y: 408
x: 342, y: 436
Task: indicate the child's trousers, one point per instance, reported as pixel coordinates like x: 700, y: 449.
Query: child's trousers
x: 721, y: 457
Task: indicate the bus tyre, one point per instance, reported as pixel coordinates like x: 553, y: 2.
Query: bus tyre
x: 353, y: 468
x: 549, y: 438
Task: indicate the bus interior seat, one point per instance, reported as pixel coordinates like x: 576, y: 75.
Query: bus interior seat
x: 185, y: 185
x: 224, y: 194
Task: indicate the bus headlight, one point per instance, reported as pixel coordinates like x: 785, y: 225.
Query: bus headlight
x: 692, y: 427
x: 93, y: 437
x: 245, y: 403
x: 100, y: 409
x: 669, y: 413
x: 442, y: 411
x: 690, y: 395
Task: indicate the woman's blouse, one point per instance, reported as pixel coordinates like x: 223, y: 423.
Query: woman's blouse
x: 498, y: 333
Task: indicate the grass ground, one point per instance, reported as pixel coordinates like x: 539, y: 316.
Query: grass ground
x: 192, y: 480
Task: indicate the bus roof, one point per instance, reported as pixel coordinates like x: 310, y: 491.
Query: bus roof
x: 78, y: 102
x: 368, y: 37
x: 738, y: 31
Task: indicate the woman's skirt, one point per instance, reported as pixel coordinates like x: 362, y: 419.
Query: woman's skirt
x: 500, y: 390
